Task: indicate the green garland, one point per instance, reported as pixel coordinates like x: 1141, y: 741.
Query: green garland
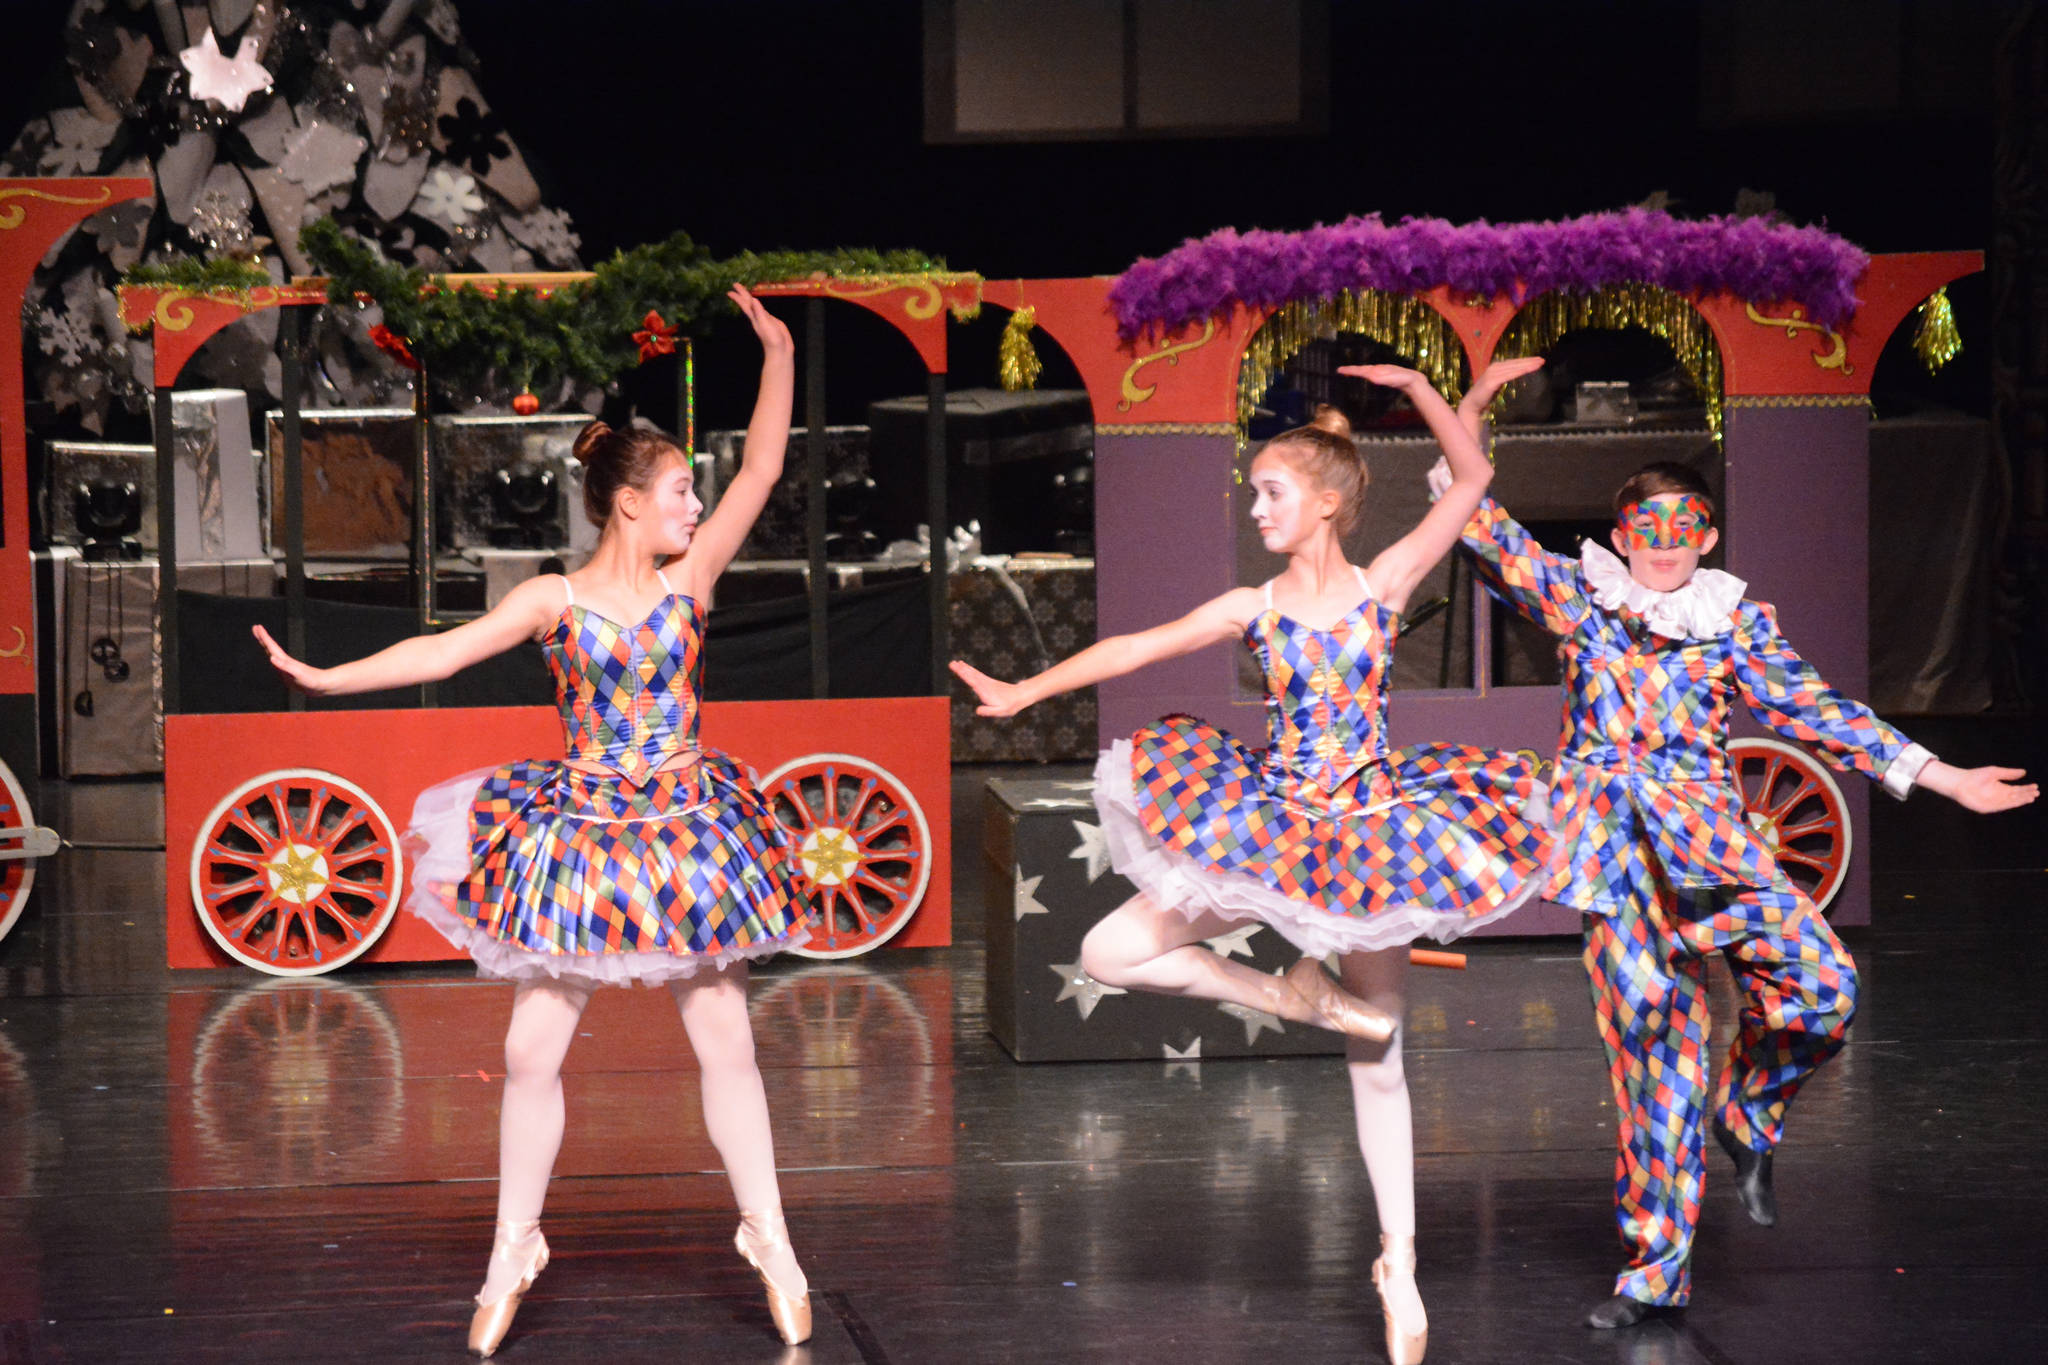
x: 230, y: 274
x: 582, y: 330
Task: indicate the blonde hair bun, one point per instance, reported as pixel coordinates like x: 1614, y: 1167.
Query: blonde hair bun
x: 1328, y: 417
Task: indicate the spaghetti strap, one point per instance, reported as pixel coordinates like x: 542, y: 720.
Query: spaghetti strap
x: 1363, y: 585
x: 569, y: 589
x: 664, y: 583
x: 1269, y: 594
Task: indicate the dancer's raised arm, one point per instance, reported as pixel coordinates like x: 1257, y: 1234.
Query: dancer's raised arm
x: 761, y: 458
x: 1396, y: 570
x: 1222, y: 618
x: 1495, y: 377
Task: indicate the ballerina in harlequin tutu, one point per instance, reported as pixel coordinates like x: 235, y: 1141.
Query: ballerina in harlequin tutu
x: 641, y: 857
x: 1340, y: 843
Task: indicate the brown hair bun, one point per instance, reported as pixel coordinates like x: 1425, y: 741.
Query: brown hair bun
x: 589, y: 440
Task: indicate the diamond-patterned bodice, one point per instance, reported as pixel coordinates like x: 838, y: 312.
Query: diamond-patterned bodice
x: 1325, y: 689
x: 628, y: 694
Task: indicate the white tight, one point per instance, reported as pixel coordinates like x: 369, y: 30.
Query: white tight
x: 1140, y: 946
x: 544, y: 1017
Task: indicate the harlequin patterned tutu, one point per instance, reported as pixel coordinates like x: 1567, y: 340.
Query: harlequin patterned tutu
x: 1433, y: 840
x: 541, y: 870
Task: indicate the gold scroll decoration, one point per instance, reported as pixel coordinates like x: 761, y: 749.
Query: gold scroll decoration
x: 14, y: 215
x: 922, y: 298
x: 1133, y: 392
x: 1835, y: 357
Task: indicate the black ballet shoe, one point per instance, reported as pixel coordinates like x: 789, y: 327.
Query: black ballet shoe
x: 1620, y: 1311
x: 1752, y: 1177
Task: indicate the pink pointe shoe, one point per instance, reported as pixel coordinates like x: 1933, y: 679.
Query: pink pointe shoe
x: 492, y: 1320
x: 1333, y: 1007
x: 766, y: 1232
x: 1406, y: 1341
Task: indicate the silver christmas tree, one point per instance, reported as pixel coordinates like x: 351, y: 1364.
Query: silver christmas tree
x: 267, y: 117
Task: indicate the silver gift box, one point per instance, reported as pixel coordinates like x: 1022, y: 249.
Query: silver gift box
x: 1605, y: 401
x: 509, y: 483
x: 213, y: 477
x: 73, y: 463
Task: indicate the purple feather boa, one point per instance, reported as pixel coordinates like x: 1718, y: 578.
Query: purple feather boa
x: 1748, y: 258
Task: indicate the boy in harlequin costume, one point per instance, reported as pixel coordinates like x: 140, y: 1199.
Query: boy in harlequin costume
x: 1653, y: 846
x: 1336, y: 840
x: 641, y: 856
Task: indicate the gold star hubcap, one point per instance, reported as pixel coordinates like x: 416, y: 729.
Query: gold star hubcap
x: 829, y: 856
x: 298, y: 873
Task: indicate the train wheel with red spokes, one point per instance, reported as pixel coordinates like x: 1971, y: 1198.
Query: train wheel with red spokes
x: 296, y: 872
x: 17, y: 873
x: 863, y: 850
x: 1792, y: 801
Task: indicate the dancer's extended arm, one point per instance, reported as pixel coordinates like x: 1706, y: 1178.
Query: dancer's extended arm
x: 1788, y: 694
x: 722, y: 533
x: 1213, y: 622
x: 1396, y: 570
x: 526, y: 611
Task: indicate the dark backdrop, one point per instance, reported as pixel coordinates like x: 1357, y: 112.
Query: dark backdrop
x: 785, y: 123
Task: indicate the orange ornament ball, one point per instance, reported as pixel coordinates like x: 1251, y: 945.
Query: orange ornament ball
x: 526, y: 405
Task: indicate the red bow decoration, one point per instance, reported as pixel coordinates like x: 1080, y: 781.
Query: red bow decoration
x: 658, y: 339
x: 393, y: 345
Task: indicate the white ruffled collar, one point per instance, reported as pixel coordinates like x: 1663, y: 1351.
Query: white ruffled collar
x: 1702, y: 608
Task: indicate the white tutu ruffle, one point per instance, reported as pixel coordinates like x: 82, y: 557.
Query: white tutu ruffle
x: 1175, y: 881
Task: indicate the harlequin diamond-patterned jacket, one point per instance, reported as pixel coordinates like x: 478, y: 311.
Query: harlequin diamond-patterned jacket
x: 1643, y: 786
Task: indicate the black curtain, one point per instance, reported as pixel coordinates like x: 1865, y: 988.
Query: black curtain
x: 880, y: 646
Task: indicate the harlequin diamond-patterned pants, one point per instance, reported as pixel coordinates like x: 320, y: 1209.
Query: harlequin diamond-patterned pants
x: 1648, y: 970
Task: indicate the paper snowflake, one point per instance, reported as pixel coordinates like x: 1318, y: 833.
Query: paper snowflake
x: 547, y: 232
x: 322, y: 155
x: 225, y: 81
x: 78, y: 143
x: 62, y: 335
x: 448, y: 196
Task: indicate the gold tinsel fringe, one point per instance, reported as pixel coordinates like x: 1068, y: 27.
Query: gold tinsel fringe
x: 1539, y: 324
x: 1937, y: 341
x: 1408, y: 325
x: 1017, y: 362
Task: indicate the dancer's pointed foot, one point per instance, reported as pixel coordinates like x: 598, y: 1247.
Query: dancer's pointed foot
x: 763, y: 1240
x: 1752, y: 1177
x: 1393, y: 1274
x: 1330, y: 1006
x: 518, y: 1255
x: 1620, y: 1311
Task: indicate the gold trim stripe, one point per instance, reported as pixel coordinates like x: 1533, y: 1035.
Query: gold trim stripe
x: 1798, y: 400
x: 1166, y: 429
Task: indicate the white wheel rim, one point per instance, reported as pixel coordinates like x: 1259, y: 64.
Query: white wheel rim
x: 297, y: 874
x: 826, y: 845
x: 1792, y: 756
x: 25, y: 817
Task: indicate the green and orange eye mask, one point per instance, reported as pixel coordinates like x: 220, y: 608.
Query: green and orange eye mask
x: 1666, y: 524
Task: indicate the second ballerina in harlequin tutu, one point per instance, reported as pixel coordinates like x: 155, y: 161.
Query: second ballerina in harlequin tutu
x: 639, y: 857
x: 1329, y: 836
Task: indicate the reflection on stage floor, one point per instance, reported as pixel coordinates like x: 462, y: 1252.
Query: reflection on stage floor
x: 200, y: 1166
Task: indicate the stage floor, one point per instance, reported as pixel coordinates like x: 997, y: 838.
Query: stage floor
x: 200, y: 1167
